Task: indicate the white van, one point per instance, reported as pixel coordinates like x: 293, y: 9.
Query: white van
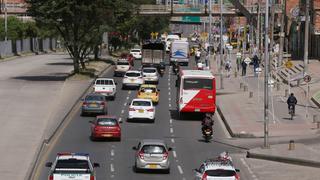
x: 106, y: 87
x: 179, y: 52
x: 169, y: 40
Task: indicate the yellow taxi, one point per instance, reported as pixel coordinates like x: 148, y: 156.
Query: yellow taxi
x: 149, y: 91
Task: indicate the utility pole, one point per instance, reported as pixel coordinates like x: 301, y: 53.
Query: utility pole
x: 266, y: 78
x: 272, y: 31
x: 5, y: 26
x: 306, y: 38
x: 221, y: 47
x: 282, y: 35
x: 210, y: 35
x: 258, y: 29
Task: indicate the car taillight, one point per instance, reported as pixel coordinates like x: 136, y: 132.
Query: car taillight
x: 165, y: 156
x: 204, y: 176
x: 139, y: 93
x: 131, y: 109
x: 51, y: 177
x: 237, y: 177
x: 96, y: 128
x: 150, y: 110
x: 84, y: 103
x: 91, y: 177
x: 141, y: 155
x: 102, y: 103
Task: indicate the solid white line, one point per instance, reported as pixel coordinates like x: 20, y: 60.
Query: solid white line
x: 122, y: 111
x: 180, y: 169
x: 112, y: 152
x: 111, y: 168
x: 171, y: 130
x: 249, y: 170
x: 172, y: 140
x: 174, y: 154
x: 170, y: 121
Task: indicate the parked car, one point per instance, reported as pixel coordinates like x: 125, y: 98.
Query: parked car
x: 71, y: 166
x: 141, y: 109
x: 136, y: 53
x: 94, y: 104
x: 132, y: 78
x: 105, y: 127
x: 106, y: 87
x: 152, y: 154
x: 150, y: 74
x: 217, y: 169
x: 149, y: 91
x: 121, y: 67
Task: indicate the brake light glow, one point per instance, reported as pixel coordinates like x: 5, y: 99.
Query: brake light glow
x: 204, y: 176
x: 84, y: 104
x: 150, y: 110
x: 91, y: 177
x: 165, y: 156
x: 51, y: 177
x: 237, y: 177
x: 141, y: 154
x: 102, y: 103
x: 72, y: 154
x: 132, y: 109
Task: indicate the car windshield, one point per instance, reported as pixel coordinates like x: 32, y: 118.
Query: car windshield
x: 72, y: 164
x: 221, y: 173
x: 94, y: 98
x: 122, y: 63
x: 148, y: 90
x: 132, y: 74
x: 197, y: 84
x: 141, y: 103
x: 107, y: 122
x: 153, y: 149
x: 104, y: 82
x: 135, y: 50
x: 149, y: 70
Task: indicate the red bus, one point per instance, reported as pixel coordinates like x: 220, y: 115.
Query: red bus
x: 196, y: 92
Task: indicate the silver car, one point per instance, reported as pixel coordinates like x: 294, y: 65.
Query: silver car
x: 150, y: 74
x: 94, y: 104
x: 152, y: 154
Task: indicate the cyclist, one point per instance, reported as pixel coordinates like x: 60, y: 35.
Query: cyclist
x: 292, y: 101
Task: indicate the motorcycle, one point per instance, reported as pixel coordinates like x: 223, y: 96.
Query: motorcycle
x: 207, y: 134
x: 161, y: 72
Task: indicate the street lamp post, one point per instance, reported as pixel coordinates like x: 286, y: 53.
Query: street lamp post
x: 210, y: 35
x: 5, y: 25
x: 221, y: 46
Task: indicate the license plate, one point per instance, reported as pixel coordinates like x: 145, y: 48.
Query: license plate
x: 94, y: 105
x: 141, y: 110
x: 107, y: 135
x: 208, y: 132
x: 153, y: 166
x: 197, y: 110
x: 132, y: 80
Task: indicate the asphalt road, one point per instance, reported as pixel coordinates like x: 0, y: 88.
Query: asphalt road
x: 117, y: 158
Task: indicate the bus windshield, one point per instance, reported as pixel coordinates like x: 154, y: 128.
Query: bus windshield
x: 189, y: 84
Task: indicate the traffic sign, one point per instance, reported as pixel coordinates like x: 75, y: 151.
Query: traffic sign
x: 247, y: 60
x: 288, y: 64
x: 307, y: 78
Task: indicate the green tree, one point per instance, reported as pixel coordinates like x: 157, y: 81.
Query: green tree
x: 79, y: 22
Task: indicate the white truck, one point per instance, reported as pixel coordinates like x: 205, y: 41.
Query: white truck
x: 72, y: 166
x: 179, y: 52
x: 153, y: 54
x: 106, y: 87
x: 170, y: 38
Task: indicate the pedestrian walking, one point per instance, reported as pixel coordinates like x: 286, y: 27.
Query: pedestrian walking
x: 238, y: 61
x: 255, y: 64
x: 244, y: 68
x: 228, y: 67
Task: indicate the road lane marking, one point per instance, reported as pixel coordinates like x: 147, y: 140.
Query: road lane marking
x: 120, y: 120
x: 112, y: 152
x: 112, y: 176
x: 122, y: 111
x: 111, y: 167
x: 180, y: 169
x: 129, y: 92
x: 127, y: 97
x: 169, y: 98
x: 170, y: 121
x: 169, y: 88
x: 174, y: 154
x: 169, y: 105
x: 172, y: 140
x: 169, y: 93
x: 249, y: 169
x: 125, y: 104
x: 171, y: 130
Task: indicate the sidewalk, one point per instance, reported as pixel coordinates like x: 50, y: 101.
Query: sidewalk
x: 244, y: 117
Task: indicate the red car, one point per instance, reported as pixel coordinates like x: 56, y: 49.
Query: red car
x: 105, y: 127
x: 129, y: 57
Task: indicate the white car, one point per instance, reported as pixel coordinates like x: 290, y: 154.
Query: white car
x: 216, y: 169
x: 106, y: 87
x: 121, y: 67
x: 132, y: 78
x: 136, y: 53
x: 150, y: 74
x: 141, y: 109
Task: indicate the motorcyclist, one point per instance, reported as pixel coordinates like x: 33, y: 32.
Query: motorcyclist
x: 197, y: 55
x: 176, y: 67
x: 292, y: 101
x: 161, y: 68
x: 207, y: 122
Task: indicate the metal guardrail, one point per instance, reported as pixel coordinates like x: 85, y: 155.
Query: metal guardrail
x: 158, y: 9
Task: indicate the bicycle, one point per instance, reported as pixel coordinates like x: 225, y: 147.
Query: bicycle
x: 291, y: 112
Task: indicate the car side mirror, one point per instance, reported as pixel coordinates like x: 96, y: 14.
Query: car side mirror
x: 48, y: 164
x: 170, y: 149
x: 120, y: 121
x: 196, y: 170
x: 96, y: 165
x: 134, y: 148
x: 237, y: 170
x: 158, y: 89
x: 116, y: 83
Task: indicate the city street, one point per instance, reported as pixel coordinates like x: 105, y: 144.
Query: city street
x: 117, y: 158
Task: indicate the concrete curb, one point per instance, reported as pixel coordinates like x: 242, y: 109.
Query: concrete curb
x: 295, y: 161
x: 225, y: 121
x: 41, y: 149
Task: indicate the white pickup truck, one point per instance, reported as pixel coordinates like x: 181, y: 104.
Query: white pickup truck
x: 72, y: 166
x: 106, y: 87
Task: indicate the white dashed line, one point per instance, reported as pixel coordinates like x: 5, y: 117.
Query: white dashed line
x: 169, y: 93
x: 170, y: 121
x: 120, y: 120
x: 112, y: 176
x: 174, y: 154
x: 172, y: 140
x: 111, y: 168
x: 249, y: 170
x: 127, y: 97
x: 169, y: 105
x: 125, y: 104
x: 129, y: 92
x: 122, y: 111
x: 169, y: 88
x: 180, y: 169
x: 171, y: 130
x: 169, y: 98
x: 112, y: 152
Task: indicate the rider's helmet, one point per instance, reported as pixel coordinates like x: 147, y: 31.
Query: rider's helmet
x: 208, y: 115
x: 291, y: 94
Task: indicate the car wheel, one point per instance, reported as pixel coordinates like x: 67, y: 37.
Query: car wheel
x: 136, y: 169
x: 167, y: 171
x: 119, y: 139
x: 92, y: 138
x: 82, y: 113
x: 113, y: 97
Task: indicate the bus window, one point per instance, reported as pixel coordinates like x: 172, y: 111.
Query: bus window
x: 197, y: 84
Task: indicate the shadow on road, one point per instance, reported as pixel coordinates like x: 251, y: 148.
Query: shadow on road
x: 43, y: 78
x: 61, y: 64
x: 186, y: 116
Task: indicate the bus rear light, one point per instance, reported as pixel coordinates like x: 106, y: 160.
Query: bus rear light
x: 51, y: 177
x: 210, y: 97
